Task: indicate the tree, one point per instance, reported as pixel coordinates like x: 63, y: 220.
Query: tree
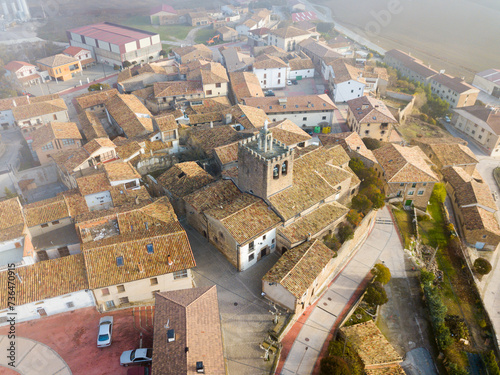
x: 375, y: 294
x: 361, y: 203
x: 163, y: 52
x: 9, y: 193
x: 439, y: 192
x: 324, y: 27
x: 126, y: 64
x: 482, y: 266
x: 99, y: 86
x: 426, y: 277
x: 382, y: 273
x: 491, y: 363
x: 356, y: 165
x: 372, y: 143
x: 354, y: 218
x: 334, y: 366
x: 369, y: 56
x: 374, y: 194
x: 443, y: 336
x: 345, y: 232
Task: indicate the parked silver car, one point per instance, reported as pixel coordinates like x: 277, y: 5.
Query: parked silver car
x: 136, y: 357
x: 105, y: 331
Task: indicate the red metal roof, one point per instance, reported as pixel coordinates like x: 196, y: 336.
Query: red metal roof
x: 304, y: 16
x: 163, y: 8
x: 112, y: 33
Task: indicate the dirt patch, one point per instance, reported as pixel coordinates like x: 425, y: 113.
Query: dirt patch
x: 415, y: 128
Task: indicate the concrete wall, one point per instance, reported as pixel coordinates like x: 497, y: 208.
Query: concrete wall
x: 38, y: 230
x: 43, y: 175
x: 141, y: 290
x: 155, y: 163
x: 51, y: 306
x: 349, y: 90
x: 312, y: 118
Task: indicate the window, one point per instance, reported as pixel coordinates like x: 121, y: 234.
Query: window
x: 279, y: 74
x: 150, y: 248
x: 209, y: 92
x: 276, y: 172
x: 251, y: 246
x: 130, y: 185
x: 304, y: 118
x: 402, y: 184
x: 110, y: 304
x: 251, y: 257
x: 218, y: 85
x: 420, y: 192
x: 411, y: 192
x: 264, y: 237
x: 55, y: 222
x: 68, y: 142
x: 272, y: 241
x: 63, y: 251
x: 153, y: 281
x: 424, y: 184
x: 123, y: 300
x: 265, y: 75
x: 44, y: 225
x: 480, y: 137
x: 48, y: 146
x: 180, y: 274
x: 119, y: 261
x: 279, y: 81
x: 120, y: 288
x: 70, y: 305
x: 414, y: 185
x: 323, y: 118
x: 105, y: 292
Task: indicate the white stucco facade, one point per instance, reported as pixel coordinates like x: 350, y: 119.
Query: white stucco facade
x: 348, y: 90
x: 249, y: 253
x: 271, y: 78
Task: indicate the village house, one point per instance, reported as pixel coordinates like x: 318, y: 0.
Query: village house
x: 319, y: 52
x: 198, y: 18
x: 244, y: 85
x: 180, y: 180
x: 289, y: 37
x: 39, y: 111
x: 300, y: 66
x: 15, y: 240
x: 258, y: 37
x: 259, y: 19
x: 227, y: 34
x: 488, y: 81
x: 370, y: 117
x: 188, y: 316
x: 310, y: 112
x: 213, y: 77
x: 204, y: 139
x: 47, y: 288
x: 163, y: 14
x: 235, y: 60
x: 453, y: 90
x: 91, y: 126
x: 128, y: 115
x: 300, y: 274
x: 168, y: 132
x: 345, y: 81
x: 60, y: 67
x: 94, y: 101
x: 6, y: 105
x: 352, y: 144
x: 474, y: 207
x: 82, y: 54
x: 187, y: 54
x: 169, y: 95
x: 135, y: 252
x: 410, y: 67
x: 271, y: 71
x: 23, y: 73
x: 407, y: 174
x: 481, y: 124
x: 53, y: 138
x: 341, y: 44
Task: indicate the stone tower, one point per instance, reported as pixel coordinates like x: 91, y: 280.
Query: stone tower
x: 265, y: 165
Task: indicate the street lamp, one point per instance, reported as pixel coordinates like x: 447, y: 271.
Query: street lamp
x: 103, y: 71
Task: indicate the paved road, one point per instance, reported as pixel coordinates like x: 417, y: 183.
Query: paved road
x: 12, y: 139
x: 309, y: 342
x: 33, y: 358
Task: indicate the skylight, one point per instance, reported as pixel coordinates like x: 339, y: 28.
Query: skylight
x: 119, y: 261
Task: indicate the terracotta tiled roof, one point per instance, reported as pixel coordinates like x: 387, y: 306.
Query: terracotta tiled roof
x: 314, y: 222
x: 37, y: 108
x: 29, y: 78
x: 370, y: 344
x: 227, y: 153
x: 300, y: 63
x: 213, y: 73
x: 46, y: 211
x: 92, y: 184
x: 73, y: 50
x: 57, y: 60
x: 91, y: 126
x: 247, y: 116
x: 124, y: 75
x: 271, y: 51
x: 11, y: 219
x: 351, y: 141
x: 101, y: 256
x: 345, y: 72
x: 120, y: 171
x: 181, y: 51
x: 319, y: 49
x: 194, y: 316
x: 212, y: 195
x: 75, y: 201
x: 96, y: 143
x: 315, y: 177
x: 454, y: 83
x: 366, y: 109
x: 289, y: 32
x: 245, y: 217
x: 71, y: 158
x: 14, y: 66
x: 44, y: 280
x: 288, y: 132
x: 268, y: 62
x: 411, y: 63
x: 94, y: 98
x: 439, y: 140
x: 55, y: 130
x: 209, y: 138
x: 404, y: 164
x: 205, y: 118
x: 297, y: 269
x: 184, y: 178
x: 453, y: 154
x: 126, y: 150
x: 245, y: 84
x: 9, y: 103
x: 166, y: 89
x: 476, y: 218
x: 130, y: 114
x: 166, y: 122
x: 487, y: 118
x: 306, y: 103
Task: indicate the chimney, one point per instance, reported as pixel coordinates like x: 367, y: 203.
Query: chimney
x: 136, y: 199
x: 229, y: 118
x: 141, y: 268
x: 28, y: 98
x: 169, y: 260
x: 308, y: 104
x: 309, y: 236
x: 211, y: 124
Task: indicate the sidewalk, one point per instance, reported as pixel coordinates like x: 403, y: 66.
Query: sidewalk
x: 313, y: 329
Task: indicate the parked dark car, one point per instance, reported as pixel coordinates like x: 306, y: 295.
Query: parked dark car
x: 269, y: 93
x: 295, y: 82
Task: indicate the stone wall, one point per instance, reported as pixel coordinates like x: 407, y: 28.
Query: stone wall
x: 153, y: 163
x: 43, y: 175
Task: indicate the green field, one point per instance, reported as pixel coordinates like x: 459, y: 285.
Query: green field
x: 168, y: 32
x: 202, y: 35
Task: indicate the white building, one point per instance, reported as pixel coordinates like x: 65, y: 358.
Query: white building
x: 113, y: 44
x: 6, y: 105
x: 345, y: 81
x: 289, y: 37
x: 300, y: 67
x: 488, y: 81
x: 23, y: 73
x: 271, y: 71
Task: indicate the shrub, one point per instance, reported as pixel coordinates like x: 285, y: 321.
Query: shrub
x: 372, y: 143
x: 453, y: 369
x: 345, y: 232
x: 439, y: 192
x: 126, y: 64
x: 443, y: 336
x: 491, y: 363
x: 354, y: 218
x: 334, y: 366
x: 332, y: 242
x: 98, y: 86
x: 382, y: 273
x: 163, y: 52
x: 482, y: 266
x: 116, y: 67
x: 361, y: 203
x: 457, y: 326
x: 426, y: 277
x: 376, y: 294
x: 375, y: 196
